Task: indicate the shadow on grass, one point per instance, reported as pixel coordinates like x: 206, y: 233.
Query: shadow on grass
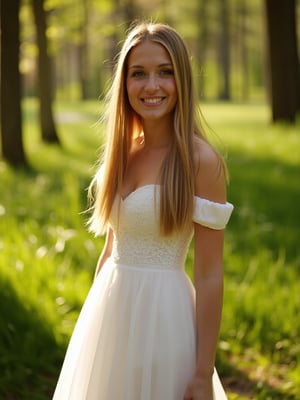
x: 30, y: 355
x: 266, y: 194
x: 266, y: 218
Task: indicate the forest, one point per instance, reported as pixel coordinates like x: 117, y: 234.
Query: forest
x: 57, y: 60
x: 67, y: 49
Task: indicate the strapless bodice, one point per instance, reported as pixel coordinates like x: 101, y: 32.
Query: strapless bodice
x: 137, y: 238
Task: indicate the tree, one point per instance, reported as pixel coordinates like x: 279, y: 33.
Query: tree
x: 202, y: 42
x: 283, y: 63
x: 11, y: 116
x: 44, y: 75
x: 224, y: 50
x: 130, y: 11
x: 241, y: 39
x: 83, y: 53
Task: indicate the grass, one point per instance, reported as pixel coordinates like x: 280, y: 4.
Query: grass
x: 47, y: 258
x: 260, y: 331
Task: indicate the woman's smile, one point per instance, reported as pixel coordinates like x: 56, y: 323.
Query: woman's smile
x: 153, y: 101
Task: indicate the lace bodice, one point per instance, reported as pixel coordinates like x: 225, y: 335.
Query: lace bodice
x: 137, y: 240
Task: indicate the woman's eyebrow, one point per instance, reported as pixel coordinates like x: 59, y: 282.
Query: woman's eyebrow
x: 135, y: 66
x: 159, y: 66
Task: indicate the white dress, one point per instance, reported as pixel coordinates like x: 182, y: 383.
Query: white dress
x: 135, y: 336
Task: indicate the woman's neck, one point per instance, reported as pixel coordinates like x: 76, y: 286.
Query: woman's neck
x: 157, y: 133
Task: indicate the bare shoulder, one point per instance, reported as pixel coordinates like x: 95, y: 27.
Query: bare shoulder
x: 209, y: 172
x: 204, y: 155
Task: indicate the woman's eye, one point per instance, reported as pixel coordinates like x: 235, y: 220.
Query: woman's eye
x: 137, y: 74
x: 166, y: 72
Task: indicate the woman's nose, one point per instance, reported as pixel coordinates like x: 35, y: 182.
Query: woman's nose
x: 151, y: 84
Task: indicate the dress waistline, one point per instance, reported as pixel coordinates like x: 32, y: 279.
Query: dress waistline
x: 148, y: 267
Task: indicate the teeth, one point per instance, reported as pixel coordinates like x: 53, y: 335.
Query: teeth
x: 153, y: 100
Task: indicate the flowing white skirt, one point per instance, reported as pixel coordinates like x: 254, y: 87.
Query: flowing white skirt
x: 134, y: 338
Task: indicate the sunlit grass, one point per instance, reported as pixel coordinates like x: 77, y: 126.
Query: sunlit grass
x: 248, y: 129
x: 47, y: 257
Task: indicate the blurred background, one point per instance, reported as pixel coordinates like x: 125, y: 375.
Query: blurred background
x: 57, y: 58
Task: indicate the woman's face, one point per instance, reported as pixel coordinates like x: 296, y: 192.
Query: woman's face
x: 150, y: 81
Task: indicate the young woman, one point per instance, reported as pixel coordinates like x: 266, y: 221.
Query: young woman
x: 145, y: 332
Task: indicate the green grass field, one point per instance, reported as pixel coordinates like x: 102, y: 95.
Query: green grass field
x: 47, y: 257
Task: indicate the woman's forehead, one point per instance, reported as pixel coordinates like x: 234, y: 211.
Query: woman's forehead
x: 147, y: 53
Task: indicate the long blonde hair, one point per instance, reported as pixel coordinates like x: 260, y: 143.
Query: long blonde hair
x: 177, y: 173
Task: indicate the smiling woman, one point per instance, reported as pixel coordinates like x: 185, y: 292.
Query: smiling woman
x: 145, y: 332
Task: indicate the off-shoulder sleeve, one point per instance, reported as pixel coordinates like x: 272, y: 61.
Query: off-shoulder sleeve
x: 210, y: 214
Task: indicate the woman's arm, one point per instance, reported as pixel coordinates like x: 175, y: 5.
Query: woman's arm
x: 208, y: 281
x: 208, y: 277
x: 106, y: 252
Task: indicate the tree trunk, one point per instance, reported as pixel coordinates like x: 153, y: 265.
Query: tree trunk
x: 130, y: 12
x: 44, y: 75
x: 11, y: 116
x: 202, y: 43
x: 122, y: 16
x: 224, y: 51
x: 283, y: 64
x: 114, y: 38
x: 83, y: 53
x: 242, y: 16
